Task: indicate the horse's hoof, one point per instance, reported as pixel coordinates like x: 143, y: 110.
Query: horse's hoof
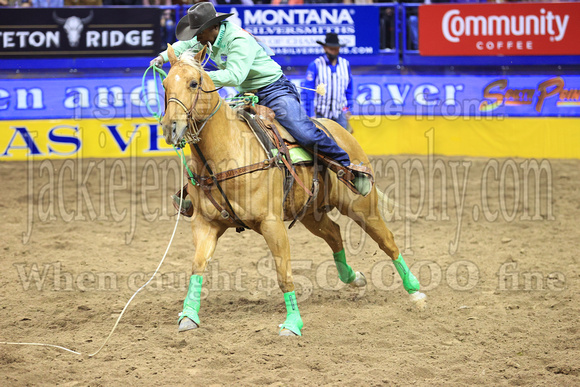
x: 359, y: 281
x: 187, y: 324
x: 287, y: 332
x: 419, y: 299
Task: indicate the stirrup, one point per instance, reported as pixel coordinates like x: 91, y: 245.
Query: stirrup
x: 186, y: 205
x: 359, y: 169
x: 358, y: 178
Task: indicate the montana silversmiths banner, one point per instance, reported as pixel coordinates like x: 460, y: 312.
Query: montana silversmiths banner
x: 499, y: 29
x: 294, y: 30
x: 79, y: 32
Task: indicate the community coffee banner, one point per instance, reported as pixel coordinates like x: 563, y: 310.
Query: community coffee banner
x: 79, y: 32
x: 499, y: 29
x: 294, y: 30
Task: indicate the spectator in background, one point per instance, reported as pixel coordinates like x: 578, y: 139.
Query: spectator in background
x: 92, y: 3
x: 42, y: 3
x: 156, y: 2
x: 387, y: 28
x: 122, y: 2
x: 167, y: 28
x: 412, y: 14
x: 233, y: 2
x: 167, y: 21
x: 287, y: 2
x: 225, y: 2
x: 334, y: 72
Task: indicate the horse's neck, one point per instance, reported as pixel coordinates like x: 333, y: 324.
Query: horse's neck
x: 224, y: 141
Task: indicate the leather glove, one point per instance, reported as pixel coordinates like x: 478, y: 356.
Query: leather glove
x: 158, y: 62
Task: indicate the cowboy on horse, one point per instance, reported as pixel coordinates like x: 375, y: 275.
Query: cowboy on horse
x: 243, y: 63
x: 193, y: 104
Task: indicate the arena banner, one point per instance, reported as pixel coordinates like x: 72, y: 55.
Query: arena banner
x: 63, y: 139
x: 79, y: 32
x: 546, y: 137
x: 294, y: 30
x: 499, y: 29
x: 467, y: 95
x: 374, y: 95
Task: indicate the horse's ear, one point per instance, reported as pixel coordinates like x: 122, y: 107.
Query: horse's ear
x: 171, y: 54
x: 200, y: 56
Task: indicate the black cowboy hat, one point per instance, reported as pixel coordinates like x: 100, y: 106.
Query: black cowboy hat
x: 198, y: 18
x: 331, y: 40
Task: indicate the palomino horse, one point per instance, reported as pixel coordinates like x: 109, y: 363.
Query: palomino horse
x: 220, y: 142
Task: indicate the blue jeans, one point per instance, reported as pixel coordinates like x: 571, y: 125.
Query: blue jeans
x: 283, y: 98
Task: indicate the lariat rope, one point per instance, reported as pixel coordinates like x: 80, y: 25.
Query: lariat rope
x: 162, y: 76
x: 179, y: 150
x: 126, y: 305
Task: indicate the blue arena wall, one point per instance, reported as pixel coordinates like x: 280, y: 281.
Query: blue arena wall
x: 425, y: 95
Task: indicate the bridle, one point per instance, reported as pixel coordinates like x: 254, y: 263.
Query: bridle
x: 192, y: 136
x: 192, y: 133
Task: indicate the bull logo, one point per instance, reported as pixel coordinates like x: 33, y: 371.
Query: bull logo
x: 73, y: 26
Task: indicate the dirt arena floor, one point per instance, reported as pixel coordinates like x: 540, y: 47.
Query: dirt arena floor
x: 495, y: 248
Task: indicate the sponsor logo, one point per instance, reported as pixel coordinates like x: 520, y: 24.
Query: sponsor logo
x: 454, y: 26
x: 73, y: 26
x: 83, y: 32
x: 499, y: 29
x: 297, y: 16
x: 497, y: 94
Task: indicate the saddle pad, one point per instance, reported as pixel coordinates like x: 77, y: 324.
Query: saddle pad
x: 297, y: 154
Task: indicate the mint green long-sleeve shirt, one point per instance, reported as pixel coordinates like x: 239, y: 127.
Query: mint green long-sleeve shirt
x: 242, y: 62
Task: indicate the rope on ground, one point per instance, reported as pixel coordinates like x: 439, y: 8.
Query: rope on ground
x: 126, y: 305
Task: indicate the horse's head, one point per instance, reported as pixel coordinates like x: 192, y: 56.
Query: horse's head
x: 188, y: 97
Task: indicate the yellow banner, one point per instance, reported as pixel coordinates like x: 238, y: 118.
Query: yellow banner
x: 379, y: 135
x: 61, y: 139
x: 545, y: 137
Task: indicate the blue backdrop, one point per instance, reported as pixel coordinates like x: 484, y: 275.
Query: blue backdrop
x: 471, y: 95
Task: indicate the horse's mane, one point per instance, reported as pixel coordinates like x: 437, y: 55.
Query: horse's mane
x: 188, y: 57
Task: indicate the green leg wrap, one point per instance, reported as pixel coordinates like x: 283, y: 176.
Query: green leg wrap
x: 345, y: 272
x: 293, y: 320
x: 192, y: 301
x: 410, y: 282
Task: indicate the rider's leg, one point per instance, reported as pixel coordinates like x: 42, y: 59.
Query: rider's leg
x: 283, y: 98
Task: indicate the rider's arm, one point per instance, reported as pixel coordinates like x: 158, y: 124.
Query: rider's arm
x: 241, y: 54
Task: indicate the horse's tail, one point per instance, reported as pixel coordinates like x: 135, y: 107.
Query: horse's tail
x: 386, y: 205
